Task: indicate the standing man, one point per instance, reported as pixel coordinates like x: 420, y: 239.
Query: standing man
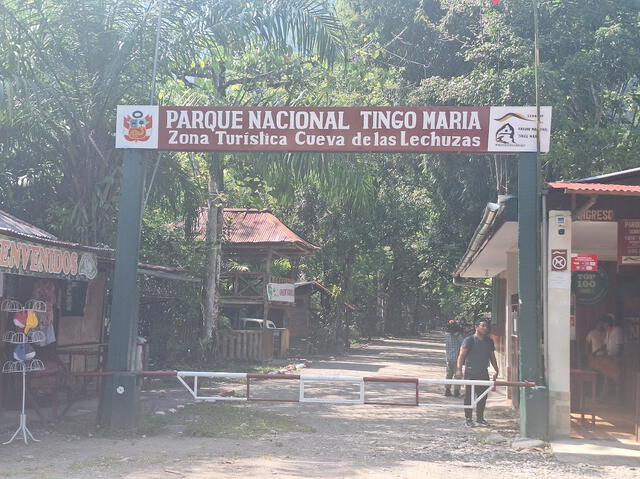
x: 453, y: 338
x: 475, y: 354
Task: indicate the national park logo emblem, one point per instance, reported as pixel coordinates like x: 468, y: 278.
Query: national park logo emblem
x: 137, y: 126
x: 506, y: 134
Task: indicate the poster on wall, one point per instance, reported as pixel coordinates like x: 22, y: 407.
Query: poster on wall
x: 629, y: 242
x: 590, y: 287
x: 584, y: 262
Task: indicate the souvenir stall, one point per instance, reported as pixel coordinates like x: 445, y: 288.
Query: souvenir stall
x: 52, y: 299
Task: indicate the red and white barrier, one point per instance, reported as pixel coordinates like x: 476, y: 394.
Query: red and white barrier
x: 360, y: 381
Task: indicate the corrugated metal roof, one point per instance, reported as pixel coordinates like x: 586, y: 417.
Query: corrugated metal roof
x: 12, y: 224
x: 252, y: 227
x: 18, y: 228
x: 596, y: 188
x: 616, y: 175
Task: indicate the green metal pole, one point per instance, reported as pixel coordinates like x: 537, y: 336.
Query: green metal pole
x: 533, y: 401
x: 119, y: 405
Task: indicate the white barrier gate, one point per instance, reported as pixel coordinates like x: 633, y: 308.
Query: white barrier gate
x: 361, y: 381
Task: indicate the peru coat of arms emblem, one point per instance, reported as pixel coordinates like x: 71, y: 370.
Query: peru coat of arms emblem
x: 137, y: 127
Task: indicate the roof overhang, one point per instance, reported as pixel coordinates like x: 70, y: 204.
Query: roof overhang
x: 491, y: 259
x: 597, y: 189
x: 495, y: 236
x: 284, y: 248
x: 166, y: 272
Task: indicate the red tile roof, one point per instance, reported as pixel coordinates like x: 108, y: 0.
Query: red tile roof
x: 596, y: 188
x: 259, y: 228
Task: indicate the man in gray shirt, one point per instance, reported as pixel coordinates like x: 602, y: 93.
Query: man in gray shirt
x: 475, y: 354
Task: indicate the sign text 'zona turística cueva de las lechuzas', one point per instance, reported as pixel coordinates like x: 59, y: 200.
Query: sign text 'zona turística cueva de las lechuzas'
x: 502, y: 129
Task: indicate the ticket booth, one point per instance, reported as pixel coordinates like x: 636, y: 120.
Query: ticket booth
x: 600, y: 218
x: 590, y: 237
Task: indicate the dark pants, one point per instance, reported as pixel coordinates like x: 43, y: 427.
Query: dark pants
x: 478, y: 390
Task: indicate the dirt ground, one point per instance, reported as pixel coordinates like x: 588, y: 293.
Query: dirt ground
x: 347, y: 441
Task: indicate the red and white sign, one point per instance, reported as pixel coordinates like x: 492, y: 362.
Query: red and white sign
x: 333, y: 129
x: 584, y: 262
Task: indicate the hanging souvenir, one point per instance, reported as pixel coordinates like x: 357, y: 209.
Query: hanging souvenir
x: 24, y: 352
x: 32, y: 321
x: 20, y: 320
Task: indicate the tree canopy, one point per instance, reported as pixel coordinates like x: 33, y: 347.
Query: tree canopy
x: 392, y: 227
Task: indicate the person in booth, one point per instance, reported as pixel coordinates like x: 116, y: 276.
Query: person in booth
x: 610, y: 363
x: 595, y: 339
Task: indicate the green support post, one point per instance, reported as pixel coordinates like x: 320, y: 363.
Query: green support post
x: 533, y: 401
x: 119, y: 408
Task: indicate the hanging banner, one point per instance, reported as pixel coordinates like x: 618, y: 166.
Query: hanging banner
x: 629, y: 242
x: 439, y: 129
x: 22, y: 257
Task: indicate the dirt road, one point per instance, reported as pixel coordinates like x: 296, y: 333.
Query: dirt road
x: 349, y: 441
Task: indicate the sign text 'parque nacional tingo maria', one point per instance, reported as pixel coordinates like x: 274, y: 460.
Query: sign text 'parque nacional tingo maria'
x: 502, y: 129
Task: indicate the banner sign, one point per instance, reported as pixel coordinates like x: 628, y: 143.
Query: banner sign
x: 284, y: 292
x: 503, y: 129
x: 584, y: 262
x: 22, y: 257
x: 629, y: 242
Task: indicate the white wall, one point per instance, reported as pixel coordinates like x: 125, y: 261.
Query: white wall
x: 557, y: 327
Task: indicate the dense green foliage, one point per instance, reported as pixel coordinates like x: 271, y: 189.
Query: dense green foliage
x: 392, y: 227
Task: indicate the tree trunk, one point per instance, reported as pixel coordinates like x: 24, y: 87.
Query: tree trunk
x: 340, y: 331
x: 378, y: 327
x: 215, y: 223
x: 211, y: 303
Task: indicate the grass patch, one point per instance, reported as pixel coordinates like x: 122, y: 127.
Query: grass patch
x: 232, y: 420
x: 236, y: 421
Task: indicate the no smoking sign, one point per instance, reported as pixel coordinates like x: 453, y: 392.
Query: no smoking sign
x: 558, y: 260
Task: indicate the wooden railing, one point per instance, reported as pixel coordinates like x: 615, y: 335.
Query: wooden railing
x: 257, y: 345
x: 247, y: 284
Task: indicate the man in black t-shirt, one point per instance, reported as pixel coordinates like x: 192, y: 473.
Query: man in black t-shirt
x: 475, y: 353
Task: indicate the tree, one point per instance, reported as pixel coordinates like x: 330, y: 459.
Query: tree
x: 225, y: 31
x: 64, y: 67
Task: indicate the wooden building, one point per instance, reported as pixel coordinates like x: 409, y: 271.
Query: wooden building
x: 261, y: 256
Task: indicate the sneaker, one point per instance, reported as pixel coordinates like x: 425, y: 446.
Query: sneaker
x: 482, y: 422
x: 469, y: 423
x: 447, y: 392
